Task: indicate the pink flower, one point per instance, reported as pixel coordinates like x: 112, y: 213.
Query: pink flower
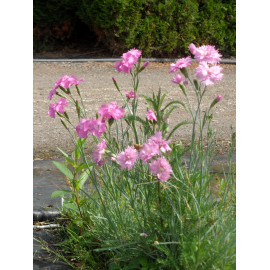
x: 146, y: 64
x: 111, y: 110
x: 132, y: 53
x: 185, y: 83
x: 207, y: 53
x: 208, y: 75
x: 129, y: 95
x: 99, y: 152
x: 65, y: 82
x: 129, y: 59
x: 75, y: 80
x: 178, y: 78
x: 52, y: 92
x: 96, y: 127
x: 59, y: 106
x: 157, y: 139
x: 149, y: 150
x: 83, y: 127
x: 162, y: 168
x: 219, y: 97
x: 127, y: 158
x: 192, y: 48
x: 52, y: 111
x: 180, y: 63
x: 151, y: 115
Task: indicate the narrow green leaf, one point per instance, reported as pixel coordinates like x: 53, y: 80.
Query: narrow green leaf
x: 148, y: 100
x: 60, y: 193
x: 170, y: 111
x: 83, y: 178
x: 61, y: 167
x: 71, y: 206
x: 175, y: 102
x: 70, y: 160
x: 176, y: 127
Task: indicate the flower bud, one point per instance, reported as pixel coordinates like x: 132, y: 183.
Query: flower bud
x: 64, y: 124
x: 78, y: 90
x: 146, y: 64
x: 219, y: 97
x: 215, y: 101
x: 184, y: 72
x: 196, y: 84
x: 156, y: 243
x: 110, y: 121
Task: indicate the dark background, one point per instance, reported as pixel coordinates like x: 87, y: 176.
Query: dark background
x: 96, y: 28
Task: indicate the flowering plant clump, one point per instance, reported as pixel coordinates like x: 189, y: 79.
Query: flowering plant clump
x: 145, y: 209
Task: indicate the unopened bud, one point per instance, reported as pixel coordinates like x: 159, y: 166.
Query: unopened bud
x: 78, y: 108
x: 110, y: 121
x: 196, y: 84
x: 184, y: 72
x: 183, y: 89
x: 64, y: 124
x: 219, y: 97
x: 78, y: 90
x: 146, y: 64
x: 156, y: 243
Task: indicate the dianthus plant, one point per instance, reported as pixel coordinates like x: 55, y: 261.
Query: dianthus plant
x: 144, y: 207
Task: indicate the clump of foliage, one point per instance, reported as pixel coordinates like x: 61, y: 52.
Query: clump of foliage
x: 145, y: 208
x: 160, y: 28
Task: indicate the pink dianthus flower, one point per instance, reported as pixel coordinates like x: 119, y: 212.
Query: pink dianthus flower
x: 52, y: 92
x: 111, y: 111
x: 180, y: 63
x: 59, y: 106
x: 207, y: 53
x: 151, y: 115
x: 192, y: 48
x: 129, y: 95
x: 162, y: 168
x: 97, y: 127
x: 127, y: 158
x: 157, y: 139
x: 52, y: 110
x: 149, y: 150
x: 178, y: 78
x: 83, y: 127
x: 129, y: 59
x: 99, y: 152
x: 208, y: 75
x: 65, y: 82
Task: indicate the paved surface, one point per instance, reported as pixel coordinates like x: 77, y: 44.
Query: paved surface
x: 99, y: 89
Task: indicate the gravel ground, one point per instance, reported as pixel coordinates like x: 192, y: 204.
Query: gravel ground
x: 98, y: 89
